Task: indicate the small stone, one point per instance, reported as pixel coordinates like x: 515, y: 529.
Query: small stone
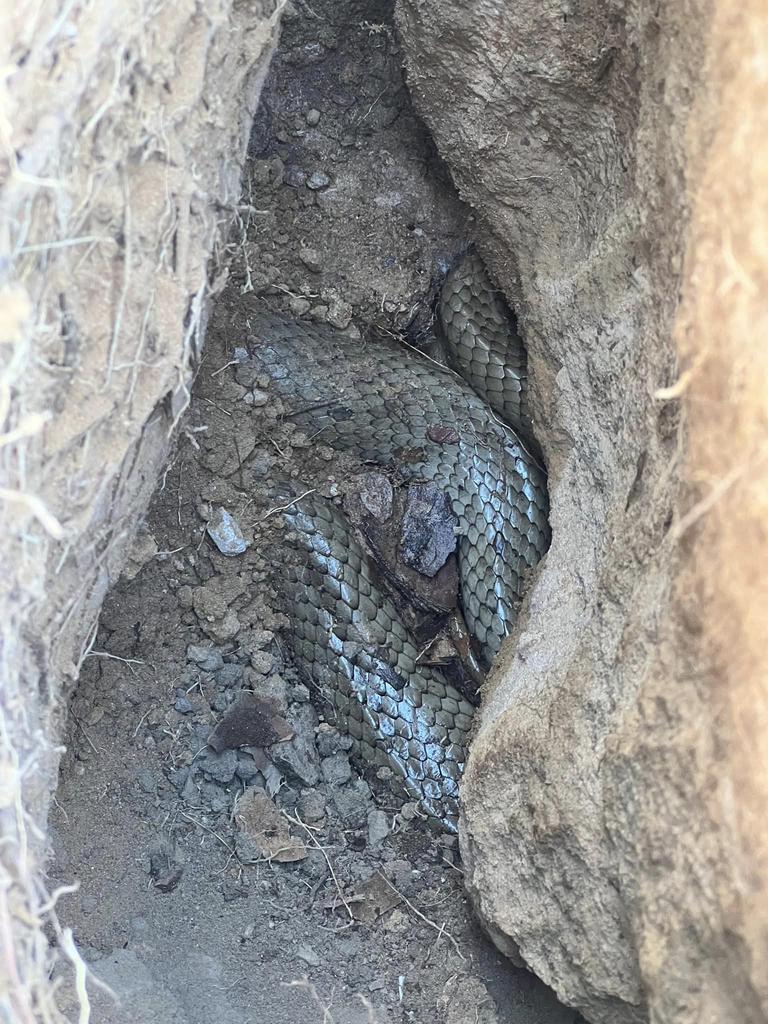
x: 377, y: 985
x: 376, y: 495
x: 312, y: 117
x: 378, y: 827
x: 146, y: 780
x: 429, y: 529
x: 258, y: 398
x: 225, y: 532
x: 299, y: 306
x: 294, y: 176
x: 190, y: 794
x: 207, y: 658
x: 308, y: 955
x: 184, y: 596
x: 183, y: 705
x: 298, y: 757
x: 300, y: 693
x: 311, y: 805
x: 229, y: 675
x: 409, y: 811
x: 318, y: 180
x: 331, y: 741
x: 343, y: 98
x: 261, y: 638
x: 220, y: 767
x: 336, y: 769
x: 262, y: 662
x: 246, y: 769
x: 339, y: 313
x: 353, y: 803
x: 311, y: 260
x: 319, y: 313
x: 169, y: 879
x: 240, y: 354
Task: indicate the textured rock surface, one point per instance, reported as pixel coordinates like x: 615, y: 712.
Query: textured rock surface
x: 612, y: 830
x: 123, y: 135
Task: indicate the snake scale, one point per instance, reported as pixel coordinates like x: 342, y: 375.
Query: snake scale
x: 458, y: 427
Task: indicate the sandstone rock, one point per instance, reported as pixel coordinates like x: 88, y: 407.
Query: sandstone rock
x: 613, y: 830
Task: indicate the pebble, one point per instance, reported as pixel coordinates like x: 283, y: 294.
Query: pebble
x: 146, y: 780
x: 330, y: 741
x: 353, y: 803
x: 339, y: 314
x: 318, y: 180
x: 220, y: 767
x: 240, y: 354
x: 262, y: 662
x: 299, y: 306
x: 183, y: 705
x: 311, y: 805
x: 298, y: 757
x: 207, y: 658
x: 311, y: 259
x: 184, y: 596
x: 246, y: 768
x: 312, y: 117
x: 190, y: 794
x: 378, y: 827
x: 300, y: 693
x: 258, y: 398
x: 336, y: 769
x: 308, y: 955
x: 229, y: 675
x: 294, y: 176
x: 225, y: 532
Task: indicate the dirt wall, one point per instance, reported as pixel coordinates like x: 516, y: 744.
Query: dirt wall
x: 122, y: 135
x: 612, y: 835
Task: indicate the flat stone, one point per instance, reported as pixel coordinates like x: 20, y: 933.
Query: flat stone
x: 298, y: 757
x: 336, y: 769
x: 225, y: 532
x: 312, y: 117
x: 352, y: 803
x: 207, y: 658
x: 378, y: 827
x: 312, y: 261
x: 318, y: 180
x: 220, y: 766
x: 428, y: 535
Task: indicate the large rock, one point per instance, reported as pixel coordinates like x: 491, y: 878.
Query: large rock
x: 122, y: 136
x: 614, y: 800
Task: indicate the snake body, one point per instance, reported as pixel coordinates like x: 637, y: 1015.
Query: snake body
x: 390, y: 406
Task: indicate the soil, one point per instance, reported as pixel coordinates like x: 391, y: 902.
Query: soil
x: 235, y: 865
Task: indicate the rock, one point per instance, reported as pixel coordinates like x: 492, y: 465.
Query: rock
x: 208, y: 659
x: 219, y: 766
x: 229, y: 675
x: 336, y: 769
x: 299, y: 306
x: 429, y: 529
x: 298, y: 757
x: 318, y: 180
x: 262, y: 662
x: 352, y: 803
x: 311, y: 805
x: 250, y: 721
x: 215, y: 616
x: 312, y: 261
x: 378, y: 827
x: 308, y: 955
x: 339, y: 313
x: 190, y: 793
x: 300, y: 693
x: 258, y: 819
x: 225, y: 532
x: 183, y: 705
x: 142, y: 550
x: 376, y: 495
x: 312, y: 117
x: 247, y: 770
x: 294, y: 176
x: 331, y: 741
x: 258, y: 398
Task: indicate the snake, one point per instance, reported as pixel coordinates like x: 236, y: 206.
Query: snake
x: 463, y: 425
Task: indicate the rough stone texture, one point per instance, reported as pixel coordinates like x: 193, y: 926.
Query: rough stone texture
x: 614, y: 800
x: 122, y: 134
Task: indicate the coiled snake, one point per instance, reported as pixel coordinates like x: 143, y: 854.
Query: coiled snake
x: 459, y: 429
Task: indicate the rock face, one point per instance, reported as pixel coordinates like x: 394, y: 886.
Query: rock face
x: 613, y: 826
x: 124, y: 133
